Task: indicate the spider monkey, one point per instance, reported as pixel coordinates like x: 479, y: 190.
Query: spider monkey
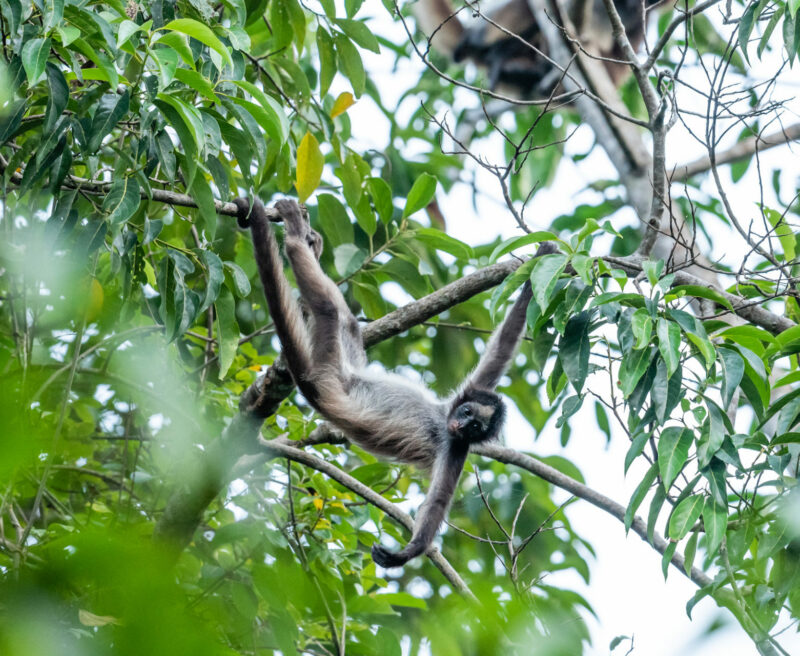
x: 382, y: 412
x: 519, y: 65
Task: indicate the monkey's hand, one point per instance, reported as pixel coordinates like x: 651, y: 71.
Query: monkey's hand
x: 297, y: 225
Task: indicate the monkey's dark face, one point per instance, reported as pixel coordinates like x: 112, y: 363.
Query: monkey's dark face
x: 477, y: 415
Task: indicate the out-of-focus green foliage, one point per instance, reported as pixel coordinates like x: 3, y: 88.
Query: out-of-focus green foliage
x: 131, y: 324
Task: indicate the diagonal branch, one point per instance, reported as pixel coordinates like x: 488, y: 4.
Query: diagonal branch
x: 282, y: 448
x: 744, y: 148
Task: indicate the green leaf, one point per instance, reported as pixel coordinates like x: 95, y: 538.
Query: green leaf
x: 732, y: 365
x: 110, y: 110
x: 198, y: 82
x: 348, y: 258
x: 359, y: 33
x: 381, y: 194
x: 204, y: 197
x: 127, y: 28
x: 334, y: 220
x: 214, y: 278
x: 270, y: 116
x: 544, y: 276
x: 309, y: 166
x: 167, y: 60
x: 790, y: 34
x: 783, y: 230
x: 510, y: 285
x: 653, y: 270
x: 639, y: 494
x: 122, y: 200
x: 690, y: 552
x: 514, y: 243
x: 669, y: 344
x: 685, y: 515
x: 227, y: 330
x: 421, y: 194
x: 715, y: 522
x: 771, y: 25
x: 634, y: 365
x: 673, y: 451
x: 34, y: 58
x: 241, y: 283
x: 635, y: 450
x: 327, y: 60
x: 698, y: 291
x: 202, y: 33
x: 659, y: 496
x: 642, y: 326
x: 11, y: 119
x: 350, y: 61
x: 746, y: 28
x: 602, y: 420
x: 443, y: 242
x: 403, y: 599
x: 665, y: 392
x: 57, y: 99
x: 180, y: 44
x: 280, y: 25
x: 574, y: 349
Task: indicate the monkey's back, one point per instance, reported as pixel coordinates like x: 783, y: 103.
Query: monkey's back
x: 392, y: 417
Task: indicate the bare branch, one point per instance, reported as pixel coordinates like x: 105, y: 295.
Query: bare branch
x: 745, y: 148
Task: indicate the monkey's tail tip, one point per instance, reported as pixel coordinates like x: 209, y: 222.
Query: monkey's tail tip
x: 385, y: 558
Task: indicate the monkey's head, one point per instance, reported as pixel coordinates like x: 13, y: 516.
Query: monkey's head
x: 475, y: 416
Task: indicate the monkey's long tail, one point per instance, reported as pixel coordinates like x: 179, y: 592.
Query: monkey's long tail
x: 446, y: 472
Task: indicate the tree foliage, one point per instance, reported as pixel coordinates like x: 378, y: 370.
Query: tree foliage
x: 133, y: 332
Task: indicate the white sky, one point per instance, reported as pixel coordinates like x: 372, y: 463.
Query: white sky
x: 627, y: 589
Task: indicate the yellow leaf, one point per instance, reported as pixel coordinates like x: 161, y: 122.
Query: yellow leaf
x: 342, y: 103
x: 90, y: 619
x: 318, y: 503
x: 309, y: 166
x: 96, y: 297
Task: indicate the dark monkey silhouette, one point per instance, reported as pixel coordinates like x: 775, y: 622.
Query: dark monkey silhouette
x: 382, y: 412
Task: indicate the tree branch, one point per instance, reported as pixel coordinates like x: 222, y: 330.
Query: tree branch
x: 279, y: 447
x: 744, y: 148
x: 553, y: 476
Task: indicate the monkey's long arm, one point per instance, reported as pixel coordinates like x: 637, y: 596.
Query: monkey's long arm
x: 504, y: 341
x: 431, y: 514
x: 503, y: 344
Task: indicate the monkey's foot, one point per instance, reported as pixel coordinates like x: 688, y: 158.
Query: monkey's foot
x: 297, y: 225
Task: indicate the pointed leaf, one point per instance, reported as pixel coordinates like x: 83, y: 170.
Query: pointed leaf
x: 202, y: 33
x: 227, y: 330
x: 685, y: 515
x: 122, y: 200
x: 309, y: 166
x: 673, y: 451
x: 421, y: 194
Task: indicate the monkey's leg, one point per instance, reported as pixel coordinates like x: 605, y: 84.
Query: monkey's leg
x: 322, y: 297
x: 283, y: 309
